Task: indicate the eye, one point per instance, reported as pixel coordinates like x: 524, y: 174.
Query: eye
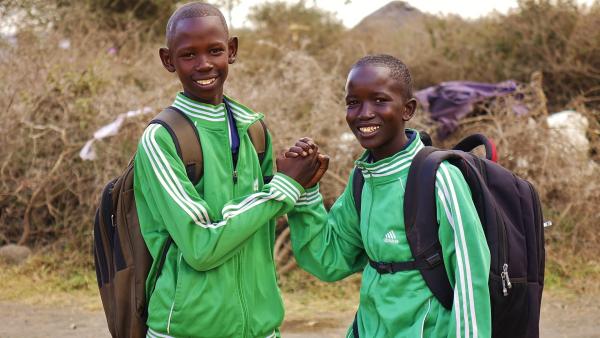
x: 380, y: 100
x: 187, y: 55
x: 351, y: 103
x: 217, y: 51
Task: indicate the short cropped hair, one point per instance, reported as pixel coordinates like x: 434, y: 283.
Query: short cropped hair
x: 398, y: 70
x: 192, y: 10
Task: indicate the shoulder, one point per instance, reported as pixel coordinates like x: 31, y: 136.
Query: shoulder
x: 448, y: 176
x: 155, y: 136
x: 242, y: 111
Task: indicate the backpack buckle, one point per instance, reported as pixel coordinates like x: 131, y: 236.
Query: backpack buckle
x: 434, y: 260
x: 382, y: 267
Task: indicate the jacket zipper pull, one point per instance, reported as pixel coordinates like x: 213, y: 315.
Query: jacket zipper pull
x: 112, y: 220
x: 235, y: 176
x: 505, y: 271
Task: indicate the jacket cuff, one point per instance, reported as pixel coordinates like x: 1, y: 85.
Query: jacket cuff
x: 310, y: 196
x: 287, y: 186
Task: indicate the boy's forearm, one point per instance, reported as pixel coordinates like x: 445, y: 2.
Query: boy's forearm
x: 165, y: 192
x: 318, y: 247
x: 208, y: 244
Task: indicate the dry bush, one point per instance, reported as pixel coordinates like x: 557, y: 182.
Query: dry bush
x: 565, y: 178
x: 558, y: 38
x: 57, y: 98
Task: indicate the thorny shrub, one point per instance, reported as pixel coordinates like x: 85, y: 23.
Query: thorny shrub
x: 55, y: 98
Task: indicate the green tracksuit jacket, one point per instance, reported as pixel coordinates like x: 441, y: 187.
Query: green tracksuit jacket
x: 334, y: 245
x: 219, y: 277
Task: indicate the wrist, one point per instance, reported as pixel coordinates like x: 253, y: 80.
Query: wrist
x: 288, y: 186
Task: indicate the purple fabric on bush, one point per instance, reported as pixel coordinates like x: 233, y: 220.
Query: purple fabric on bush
x: 448, y: 102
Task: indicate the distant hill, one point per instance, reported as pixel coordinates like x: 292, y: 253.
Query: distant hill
x: 392, y: 17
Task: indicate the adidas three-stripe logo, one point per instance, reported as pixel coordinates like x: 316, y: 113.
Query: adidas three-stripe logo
x: 390, y: 237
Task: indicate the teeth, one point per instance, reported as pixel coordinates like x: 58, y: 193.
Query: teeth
x: 205, y: 82
x: 369, y: 129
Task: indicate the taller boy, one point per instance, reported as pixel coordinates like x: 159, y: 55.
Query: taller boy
x: 219, y: 278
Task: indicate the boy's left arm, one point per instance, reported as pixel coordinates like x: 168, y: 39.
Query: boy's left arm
x: 466, y: 254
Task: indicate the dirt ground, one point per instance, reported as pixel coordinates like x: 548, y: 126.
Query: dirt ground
x: 563, y: 315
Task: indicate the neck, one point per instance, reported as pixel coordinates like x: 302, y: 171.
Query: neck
x: 400, y: 144
x: 216, y: 100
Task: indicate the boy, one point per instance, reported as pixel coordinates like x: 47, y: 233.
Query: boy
x: 332, y: 246
x: 219, y: 277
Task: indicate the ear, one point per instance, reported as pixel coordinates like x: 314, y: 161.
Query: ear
x: 232, y: 45
x: 165, y: 57
x: 409, y: 109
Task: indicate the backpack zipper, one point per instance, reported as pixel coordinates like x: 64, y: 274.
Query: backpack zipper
x: 506, y: 284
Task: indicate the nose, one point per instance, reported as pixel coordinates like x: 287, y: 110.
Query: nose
x: 365, y: 112
x: 202, y: 64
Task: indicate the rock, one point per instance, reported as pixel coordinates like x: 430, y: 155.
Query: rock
x: 14, y: 254
x: 569, y: 128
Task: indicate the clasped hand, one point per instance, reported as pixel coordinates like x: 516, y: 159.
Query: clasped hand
x: 303, y: 162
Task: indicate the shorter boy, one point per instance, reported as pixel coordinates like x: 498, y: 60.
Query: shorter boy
x: 334, y: 245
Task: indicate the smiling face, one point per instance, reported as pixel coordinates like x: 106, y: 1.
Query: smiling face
x: 376, y: 110
x: 200, y: 51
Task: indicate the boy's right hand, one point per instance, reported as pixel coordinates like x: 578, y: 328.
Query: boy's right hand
x: 306, y: 147
x: 301, y: 169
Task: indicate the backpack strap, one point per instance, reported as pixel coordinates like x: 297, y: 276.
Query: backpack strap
x: 425, y: 138
x: 186, y: 139
x: 358, y: 181
x: 473, y: 141
x: 421, y: 221
x: 258, y: 136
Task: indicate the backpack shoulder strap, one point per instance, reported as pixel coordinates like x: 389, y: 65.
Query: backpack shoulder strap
x: 358, y: 181
x: 421, y: 221
x: 186, y: 139
x: 258, y: 135
x: 475, y: 140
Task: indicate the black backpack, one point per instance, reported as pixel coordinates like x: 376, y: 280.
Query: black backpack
x: 511, y: 215
x: 121, y: 257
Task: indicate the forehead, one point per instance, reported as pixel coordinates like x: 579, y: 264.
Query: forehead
x: 201, y: 27
x: 372, y: 78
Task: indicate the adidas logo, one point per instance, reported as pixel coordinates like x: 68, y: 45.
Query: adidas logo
x: 390, y: 237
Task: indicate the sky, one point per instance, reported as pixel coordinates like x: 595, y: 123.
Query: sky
x: 350, y: 14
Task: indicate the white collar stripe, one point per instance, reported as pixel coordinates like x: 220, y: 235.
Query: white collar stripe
x: 394, y: 167
x: 242, y: 115
x: 199, y: 116
x: 240, y: 107
x: 199, y: 105
x: 186, y: 106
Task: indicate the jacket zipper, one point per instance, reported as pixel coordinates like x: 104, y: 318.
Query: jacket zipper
x: 238, y: 257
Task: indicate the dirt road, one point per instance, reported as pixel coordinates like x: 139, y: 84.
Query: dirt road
x: 562, y: 316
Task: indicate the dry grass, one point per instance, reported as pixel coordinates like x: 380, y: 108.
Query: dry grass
x: 57, y: 98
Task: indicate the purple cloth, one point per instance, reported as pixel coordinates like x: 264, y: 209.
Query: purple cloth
x: 449, y: 102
